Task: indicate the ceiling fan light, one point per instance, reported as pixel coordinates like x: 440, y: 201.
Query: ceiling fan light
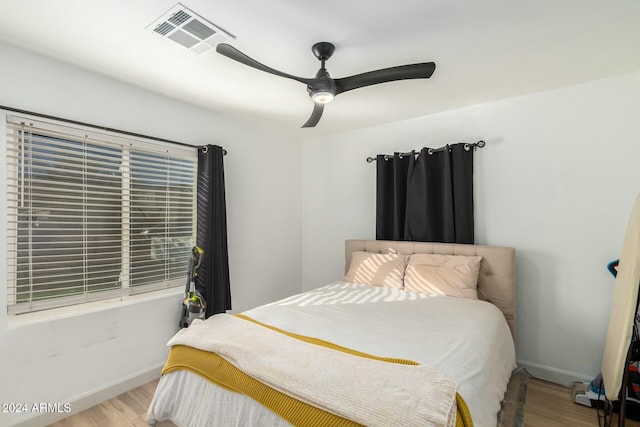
x: 322, y: 97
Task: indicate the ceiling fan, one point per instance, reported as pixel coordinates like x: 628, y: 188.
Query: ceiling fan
x: 322, y: 88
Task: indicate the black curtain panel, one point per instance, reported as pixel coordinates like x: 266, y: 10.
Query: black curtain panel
x: 213, y: 275
x: 426, y: 198
x: 391, y: 195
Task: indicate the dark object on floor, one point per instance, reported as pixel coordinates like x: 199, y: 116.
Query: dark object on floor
x: 512, y: 406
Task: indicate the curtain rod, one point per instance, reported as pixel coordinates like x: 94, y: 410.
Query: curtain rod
x: 467, y: 147
x: 103, y: 128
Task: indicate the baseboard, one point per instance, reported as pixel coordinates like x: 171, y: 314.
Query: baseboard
x: 94, y: 397
x: 551, y: 374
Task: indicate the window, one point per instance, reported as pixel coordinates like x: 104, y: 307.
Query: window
x: 94, y: 215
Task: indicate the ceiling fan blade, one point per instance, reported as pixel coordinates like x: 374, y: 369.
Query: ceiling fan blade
x: 233, y: 53
x: 315, y: 116
x: 403, y: 72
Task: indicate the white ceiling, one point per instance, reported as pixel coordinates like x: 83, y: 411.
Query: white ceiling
x: 484, y: 50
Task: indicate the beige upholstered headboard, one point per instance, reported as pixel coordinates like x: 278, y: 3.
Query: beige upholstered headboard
x: 497, y: 279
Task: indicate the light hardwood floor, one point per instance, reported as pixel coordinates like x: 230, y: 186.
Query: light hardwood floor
x: 127, y: 409
x: 547, y: 405
x: 550, y: 405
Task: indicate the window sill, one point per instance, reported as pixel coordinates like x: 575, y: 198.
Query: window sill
x: 18, y: 320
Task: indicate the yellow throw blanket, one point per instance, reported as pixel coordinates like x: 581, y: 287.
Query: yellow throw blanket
x: 295, y: 410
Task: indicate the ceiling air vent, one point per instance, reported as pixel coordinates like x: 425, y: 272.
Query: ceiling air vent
x: 188, y: 29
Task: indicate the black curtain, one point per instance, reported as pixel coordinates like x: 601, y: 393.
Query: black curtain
x: 213, y: 275
x: 427, y: 198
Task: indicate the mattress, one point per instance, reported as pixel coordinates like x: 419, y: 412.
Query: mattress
x: 468, y: 340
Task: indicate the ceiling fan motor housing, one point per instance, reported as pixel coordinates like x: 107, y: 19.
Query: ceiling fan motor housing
x: 323, y: 83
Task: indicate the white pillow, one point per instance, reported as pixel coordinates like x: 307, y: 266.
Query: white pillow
x: 453, y: 275
x: 377, y: 269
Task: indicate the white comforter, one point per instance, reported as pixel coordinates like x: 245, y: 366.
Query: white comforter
x: 466, y: 339
x: 396, y: 394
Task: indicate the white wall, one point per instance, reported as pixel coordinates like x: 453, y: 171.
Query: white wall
x: 556, y: 180
x: 86, y: 358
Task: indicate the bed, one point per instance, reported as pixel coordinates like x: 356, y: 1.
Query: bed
x: 383, y: 354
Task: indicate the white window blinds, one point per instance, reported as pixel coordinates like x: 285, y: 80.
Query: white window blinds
x: 94, y: 215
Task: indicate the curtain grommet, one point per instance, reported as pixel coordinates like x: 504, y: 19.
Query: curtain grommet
x: 204, y: 149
